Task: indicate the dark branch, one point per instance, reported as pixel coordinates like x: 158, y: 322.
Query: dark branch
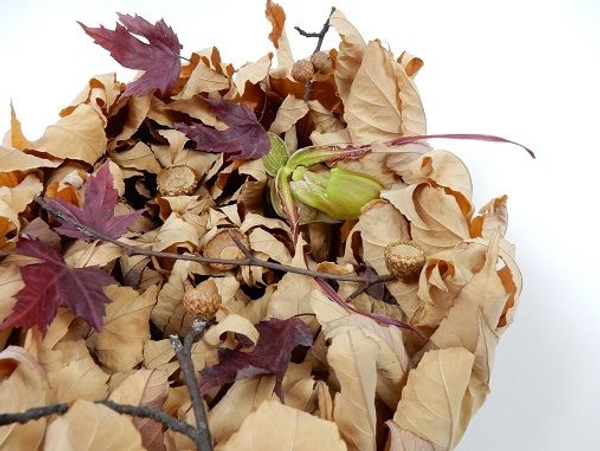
x: 250, y: 260
x: 35, y: 413
x: 152, y: 413
x: 320, y: 35
x: 183, y: 351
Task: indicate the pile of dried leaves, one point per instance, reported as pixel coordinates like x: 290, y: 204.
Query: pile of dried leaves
x: 354, y: 297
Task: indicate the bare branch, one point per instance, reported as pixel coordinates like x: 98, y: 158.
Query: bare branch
x: 250, y: 260
x: 183, y: 351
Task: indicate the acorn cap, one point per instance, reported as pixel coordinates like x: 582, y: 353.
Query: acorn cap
x: 404, y: 259
x: 203, y: 300
x: 222, y: 245
x: 177, y: 180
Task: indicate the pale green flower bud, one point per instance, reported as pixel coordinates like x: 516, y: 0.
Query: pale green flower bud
x: 338, y: 193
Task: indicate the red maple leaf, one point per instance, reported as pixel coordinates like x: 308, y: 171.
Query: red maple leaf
x: 271, y: 355
x: 245, y: 138
x: 98, y: 210
x: 159, y: 57
x: 52, y: 283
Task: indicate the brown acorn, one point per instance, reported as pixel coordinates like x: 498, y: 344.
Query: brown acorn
x: 404, y: 259
x: 222, y: 245
x: 303, y: 71
x: 322, y: 62
x: 203, y: 300
x: 177, y: 181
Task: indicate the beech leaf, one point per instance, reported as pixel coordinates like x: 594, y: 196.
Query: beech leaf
x: 98, y: 209
x: 51, y: 284
x: 274, y: 426
x: 159, y: 58
x: 245, y: 138
x: 271, y: 355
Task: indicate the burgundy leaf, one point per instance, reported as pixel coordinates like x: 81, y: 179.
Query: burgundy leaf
x: 52, y: 283
x: 271, y: 355
x: 159, y: 57
x: 97, y: 211
x: 245, y: 138
x: 402, y: 140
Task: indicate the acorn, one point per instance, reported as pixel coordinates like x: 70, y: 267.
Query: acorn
x: 404, y: 259
x: 177, y: 180
x: 203, y: 300
x: 322, y: 62
x: 222, y: 245
x: 303, y: 71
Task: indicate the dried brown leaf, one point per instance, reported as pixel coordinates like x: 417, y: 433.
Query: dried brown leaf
x: 438, y: 218
x: 101, y: 92
x: 435, y: 403
x: 351, y: 52
x: 23, y: 385
x: 276, y: 427
x: 403, y: 440
x: 120, y: 345
x: 13, y: 159
x: 290, y: 111
x: 148, y: 388
x: 92, y: 427
x: 276, y: 15
x: 78, y: 136
x: 351, y: 356
x: 382, y: 102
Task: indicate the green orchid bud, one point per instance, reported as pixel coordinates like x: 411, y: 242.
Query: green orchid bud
x: 338, y: 193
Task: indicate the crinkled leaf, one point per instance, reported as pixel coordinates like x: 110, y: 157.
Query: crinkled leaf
x: 98, y: 208
x: 271, y: 355
x: 52, y: 283
x: 245, y: 138
x: 159, y: 57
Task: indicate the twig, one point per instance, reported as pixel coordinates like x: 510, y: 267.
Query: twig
x: 183, y: 351
x: 250, y: 260
x: 35, y: 413
x: 152, y: 413
x: 321, y: 36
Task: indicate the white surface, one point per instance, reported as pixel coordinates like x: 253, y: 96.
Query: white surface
x: 525, y: 70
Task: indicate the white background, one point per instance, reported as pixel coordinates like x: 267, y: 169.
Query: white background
x: 526, y: 70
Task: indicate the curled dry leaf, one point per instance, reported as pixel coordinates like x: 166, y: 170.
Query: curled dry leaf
x: 178, y: 160
x: 23, y: 385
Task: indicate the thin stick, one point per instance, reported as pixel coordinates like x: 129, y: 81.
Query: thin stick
x: 250, y: 260
x: 183, y: 351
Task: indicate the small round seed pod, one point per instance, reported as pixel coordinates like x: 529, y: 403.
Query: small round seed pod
x: 404, y: 259
x: 203, y: 300
x: 303, y: 71
x: 222, y: 245
x: 177, y: 181
x: 321, y: 62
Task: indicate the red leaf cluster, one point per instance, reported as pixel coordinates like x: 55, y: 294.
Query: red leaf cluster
x: 52, y: 283
x: 159, y: 57
x: 271, y: 355
x: 98, y: 209
x: 244, y: 139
